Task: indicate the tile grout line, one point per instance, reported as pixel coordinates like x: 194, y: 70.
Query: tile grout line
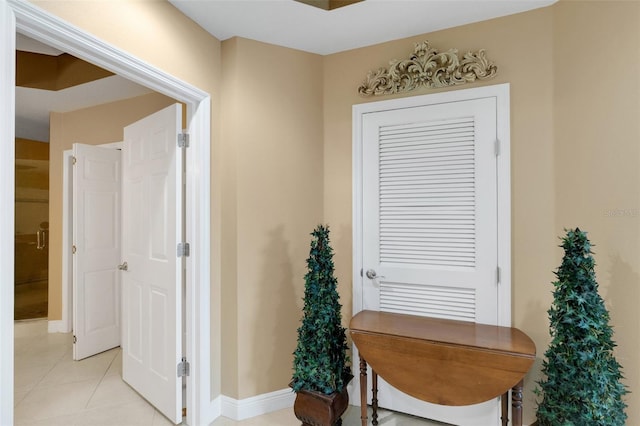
x: 39, y: 382
x: 36, y: 384
x: 86, y: 407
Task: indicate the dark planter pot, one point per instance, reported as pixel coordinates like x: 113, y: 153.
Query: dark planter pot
x: 317, y: 409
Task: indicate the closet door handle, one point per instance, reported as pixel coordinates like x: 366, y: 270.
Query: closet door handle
x: 372, y: 274
x: 39, y: 238
x: 124, y: 267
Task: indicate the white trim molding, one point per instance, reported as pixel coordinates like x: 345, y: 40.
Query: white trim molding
x: 58, y: 326
x: 67, y: 235
x: 256, y: 405
x: 7, y: 198
x: 215, y: 410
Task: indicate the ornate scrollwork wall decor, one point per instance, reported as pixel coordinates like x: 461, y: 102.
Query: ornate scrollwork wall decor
x: 427, y: 67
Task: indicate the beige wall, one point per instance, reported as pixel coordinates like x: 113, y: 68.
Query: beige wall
x: 573, y: 71
x: 596, y: 112
x: 272, y: 200
x: 92, y: 126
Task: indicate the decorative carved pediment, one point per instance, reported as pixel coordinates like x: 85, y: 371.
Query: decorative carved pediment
x: 427, y: 67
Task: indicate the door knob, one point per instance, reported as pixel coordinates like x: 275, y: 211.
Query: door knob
x: 124, y: 267
x: 372, y: 275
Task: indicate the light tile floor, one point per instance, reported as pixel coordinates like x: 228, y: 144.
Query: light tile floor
x: 53, y: 390
x: 350, y: 418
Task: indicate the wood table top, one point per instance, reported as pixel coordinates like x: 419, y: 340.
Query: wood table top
x: 505, y: 340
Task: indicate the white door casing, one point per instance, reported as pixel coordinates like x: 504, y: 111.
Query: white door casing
x: 431, y: 217
x: 97, y: 203
x: 7, y: 198
x: 152, y: 282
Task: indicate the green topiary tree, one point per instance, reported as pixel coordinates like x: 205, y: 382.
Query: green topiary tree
x: 320, y: 359
x: 583, y: 379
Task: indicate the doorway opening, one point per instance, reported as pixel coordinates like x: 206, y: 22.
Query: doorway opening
x: 33, y: 22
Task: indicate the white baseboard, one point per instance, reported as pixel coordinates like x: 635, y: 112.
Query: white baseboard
x: 251, y: 407
x: 215, y: 410
x: 58, y: 326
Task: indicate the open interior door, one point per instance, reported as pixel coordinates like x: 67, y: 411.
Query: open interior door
x: 97, y: 184
x: 151, y: 279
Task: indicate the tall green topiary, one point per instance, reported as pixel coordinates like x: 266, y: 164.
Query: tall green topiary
x: 583, y: 379
x: 320, y: 359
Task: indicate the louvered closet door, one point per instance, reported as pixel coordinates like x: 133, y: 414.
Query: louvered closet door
x: 430, y: 218
x: 430, y: 223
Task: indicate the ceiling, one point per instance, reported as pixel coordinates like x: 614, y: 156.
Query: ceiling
x: 34, y: 105
x: 300, y: 26
x: 285, y: 23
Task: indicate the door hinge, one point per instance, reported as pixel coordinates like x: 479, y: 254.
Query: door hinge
x: 184, y: 250
x: 498, y: 273
x: 497, y: 147
x: 183, y: 140
x: 73, y: 249
x: 184, y: 411
x: 75, y: 339
x: 183, y: 368
x: 73, y: 160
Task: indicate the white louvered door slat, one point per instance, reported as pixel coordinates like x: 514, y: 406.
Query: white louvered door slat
x: 430, y: 224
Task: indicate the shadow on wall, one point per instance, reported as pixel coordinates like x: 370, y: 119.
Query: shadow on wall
x: 342, y: 249
x: 622, y: 298
x: 536, y: 313
x: 277, y: 314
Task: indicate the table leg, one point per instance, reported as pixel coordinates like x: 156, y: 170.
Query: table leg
x: 363, y: 391
x: 374, y: 399
x: 504, y: 400
x: 516, y: 403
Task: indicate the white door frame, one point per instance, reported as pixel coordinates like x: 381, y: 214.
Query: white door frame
x: 7, y: 198
x: 28, y: 19
x: 501, y: 93
x: 66, y: 325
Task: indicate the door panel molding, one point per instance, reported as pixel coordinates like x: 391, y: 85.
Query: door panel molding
x: 96, y: 223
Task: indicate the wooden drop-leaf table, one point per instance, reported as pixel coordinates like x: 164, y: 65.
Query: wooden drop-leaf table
x: 442, y: 361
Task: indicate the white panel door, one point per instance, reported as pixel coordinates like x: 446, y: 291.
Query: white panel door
x: 152, y: 218
x: 430, y: 225
x: 97, y: 184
